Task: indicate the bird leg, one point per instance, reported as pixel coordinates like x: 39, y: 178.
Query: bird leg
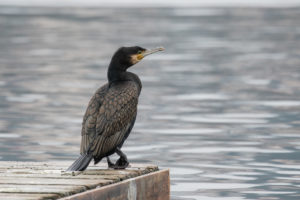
x: 109, y: 163
x: 122, y: 162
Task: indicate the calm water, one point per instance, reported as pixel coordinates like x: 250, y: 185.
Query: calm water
x: 220, y: 107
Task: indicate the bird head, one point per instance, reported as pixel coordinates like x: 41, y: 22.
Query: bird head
x: 128, y: 56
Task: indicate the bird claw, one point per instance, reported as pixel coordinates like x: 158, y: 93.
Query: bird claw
x: 121, y: 163
x: 111, y: 165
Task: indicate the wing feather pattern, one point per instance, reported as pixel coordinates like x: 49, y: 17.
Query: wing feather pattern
x: 109, y: 118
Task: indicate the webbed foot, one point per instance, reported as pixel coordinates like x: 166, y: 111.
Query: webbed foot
x: 121, y: 163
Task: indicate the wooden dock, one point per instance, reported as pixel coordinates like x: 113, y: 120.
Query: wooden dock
x: 37, y: 180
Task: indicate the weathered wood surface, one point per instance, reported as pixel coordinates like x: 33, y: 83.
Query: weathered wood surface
x: 155, y: 185
x: 36, y: 180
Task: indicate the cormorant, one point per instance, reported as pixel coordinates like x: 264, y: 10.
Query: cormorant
x: 112, y: 111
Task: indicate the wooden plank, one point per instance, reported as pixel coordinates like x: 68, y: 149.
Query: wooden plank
x: 54, y: 181
x: 49, y: 165
x: 36, y: 180
x: 26, y: 196
x: 88, y: 172
x: 57, y: 176
x: 153, y: 186
x: 63, y: 190
x: 63, y: 165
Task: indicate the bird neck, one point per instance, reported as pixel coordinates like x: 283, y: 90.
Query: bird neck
x: 115, y: 71
x: 116, y: 74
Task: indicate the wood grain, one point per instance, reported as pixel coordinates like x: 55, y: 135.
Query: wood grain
x: 37, y: 180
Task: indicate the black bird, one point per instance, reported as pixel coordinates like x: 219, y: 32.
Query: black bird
x: 111, y: 112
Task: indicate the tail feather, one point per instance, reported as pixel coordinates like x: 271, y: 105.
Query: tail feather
x: 81, y: 163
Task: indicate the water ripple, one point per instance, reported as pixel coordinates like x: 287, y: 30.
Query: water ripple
x: 180, y: 131
x: 189, y: 187
x: 9, y: 135
x: 232, y: 149
x: 186, y: 97
x: 26, y: 98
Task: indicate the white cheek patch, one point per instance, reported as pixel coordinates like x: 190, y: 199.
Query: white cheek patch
x: 134, y: 59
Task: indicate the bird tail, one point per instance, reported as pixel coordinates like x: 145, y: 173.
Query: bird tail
x: 81, y: 163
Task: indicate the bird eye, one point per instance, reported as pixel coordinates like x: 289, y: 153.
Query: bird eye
x: 139, y: 52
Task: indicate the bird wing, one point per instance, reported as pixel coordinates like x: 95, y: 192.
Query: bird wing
x: 114, y: 119
x: 88, y: 130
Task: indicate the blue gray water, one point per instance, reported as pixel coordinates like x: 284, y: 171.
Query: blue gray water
x: 220, y: 107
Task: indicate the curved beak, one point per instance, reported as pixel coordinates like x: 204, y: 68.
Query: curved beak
x: 151, y: 51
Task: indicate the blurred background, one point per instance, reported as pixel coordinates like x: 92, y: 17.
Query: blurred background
x: 220, y: 107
